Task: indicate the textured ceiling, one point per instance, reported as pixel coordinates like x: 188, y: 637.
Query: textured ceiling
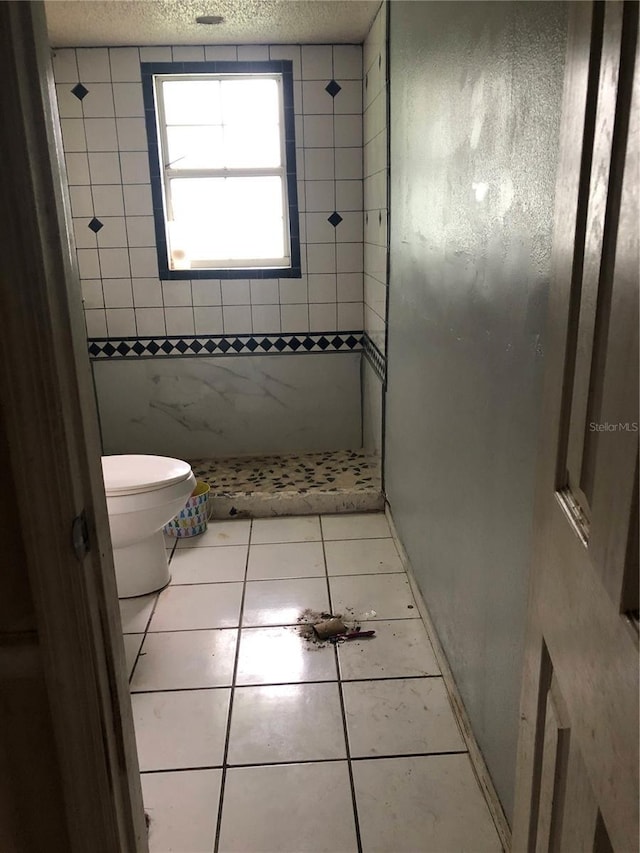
x: 74, y: 23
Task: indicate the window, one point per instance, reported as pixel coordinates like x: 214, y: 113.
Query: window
x: 222, y: 155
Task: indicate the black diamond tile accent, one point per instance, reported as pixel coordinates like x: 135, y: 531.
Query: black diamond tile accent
x: 279, y: 344
x: 295, y: 344
x: 94, y: 349
x: 79, y: 91
x: 237, y: 345
x: 351, y: 342
x: 224, y: 345
x: 337, y: 342
x: 95, y: 225
x: 123, y: 348
x: 166, y: 346
x: 195, y: 346
x: 323, y: 343
x: 138, y: 348
x: 152, y: 347
x: 251, y: 344
x: 108, y: 349
x: 335, y: 219
x: 308, y: 343
x: 266, y: 344
x: 182, y: 347
x: 332, y: 88
x: 211, y: 346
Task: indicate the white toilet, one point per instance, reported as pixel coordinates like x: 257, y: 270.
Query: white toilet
x: 143, y: 494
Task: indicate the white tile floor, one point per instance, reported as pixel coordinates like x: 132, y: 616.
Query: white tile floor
x: 252, y: 741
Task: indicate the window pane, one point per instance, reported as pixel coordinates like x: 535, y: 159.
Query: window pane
x: 227, y: 218
x: 250, y: 102
x: 192, y: 101
x: 195, y: 147
x: 246, y: 149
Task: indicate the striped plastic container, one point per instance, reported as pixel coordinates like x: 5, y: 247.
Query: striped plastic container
x: 192, y: 521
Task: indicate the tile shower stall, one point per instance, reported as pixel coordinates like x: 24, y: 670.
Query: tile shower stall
x: 224, y: 368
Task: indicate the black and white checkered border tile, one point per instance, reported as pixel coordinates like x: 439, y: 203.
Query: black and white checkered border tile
x: 374, y: 357
x: 190, y: 345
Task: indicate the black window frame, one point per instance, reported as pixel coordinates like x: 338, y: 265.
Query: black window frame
x: 283, y: 67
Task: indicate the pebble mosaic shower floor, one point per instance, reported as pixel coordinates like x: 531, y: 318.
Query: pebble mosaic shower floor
x: 299, y: 483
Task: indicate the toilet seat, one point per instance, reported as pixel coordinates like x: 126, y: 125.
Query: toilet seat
x: 138, y: 474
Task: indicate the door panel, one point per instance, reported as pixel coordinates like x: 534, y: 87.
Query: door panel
x: 577, y: 784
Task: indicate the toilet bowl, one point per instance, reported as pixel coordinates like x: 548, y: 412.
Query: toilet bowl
x: 143, y: 494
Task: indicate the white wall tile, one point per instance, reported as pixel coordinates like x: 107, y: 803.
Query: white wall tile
x: 96, y: 323
x: 294, y: 318
x: 347, y: 62
x: 237, y: 319
x: 117, y: 293
x: 65, y: 67
x: 98, y: 103
x: 322, y: 288
x: 188, y: 53
x: 264, y: 291
x: 144, y: 263
x: 320, y: 195
x: 93, y: 65
x: 77, y: 168
x: 318, y: 131
x: 319, y: 164
x: 141, y: 231
x: 101, y: 134
x: 179, y: 321
x: 350, y: 287
x: 288, y: 51
x: 121, y: 322
x: 350, y: 316
x: 113, y: 234
x: 73, y: 135
x: 104, y: 167
x: 88, y: 264
x: 107, y: 200
x: 176, y: 293
x: 317, y: 62
x: 315, y: 99
x: 235, y: 291
x: 84, y: 236
x: 349, y: 257
x: 125, y: 64
x: 208, y: 320
x: 68, y: 105
x: 322, y: 318
x: 253, y: 52
x: 348, y: 130
x: 297, y: 97
x: 221, y: 52
x: 349, y: 196
x: 349, y: 98
x: 265, y: 318
x: 319, y: 229
x: 127, y: 98
x: 155, y: 54
x: 350, y: 229
x: 132, y: 134
x: 135, y: 167
x: 114, y: 263
x: 147, y: 293
x: 321, y: 258
x: 81, y: 201
x: 293, y: 290
x: 206, y: 292
x: 150, y: 321
x: 137, y: 200
x: 92, y: 296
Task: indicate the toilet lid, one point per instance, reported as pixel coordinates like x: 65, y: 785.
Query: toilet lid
x: 134, y: 474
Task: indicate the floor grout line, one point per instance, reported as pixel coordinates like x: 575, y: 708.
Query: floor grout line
x: 287, y: 683
x: 354, y: 802
x: 223, y: 778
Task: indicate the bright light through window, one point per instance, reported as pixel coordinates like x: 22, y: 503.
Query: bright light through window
x: 224, y: 173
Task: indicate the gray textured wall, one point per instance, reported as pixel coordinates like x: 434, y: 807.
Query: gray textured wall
x: 475, y: 107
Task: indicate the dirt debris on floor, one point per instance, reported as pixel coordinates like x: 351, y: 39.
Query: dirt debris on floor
x: 319, y: 628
